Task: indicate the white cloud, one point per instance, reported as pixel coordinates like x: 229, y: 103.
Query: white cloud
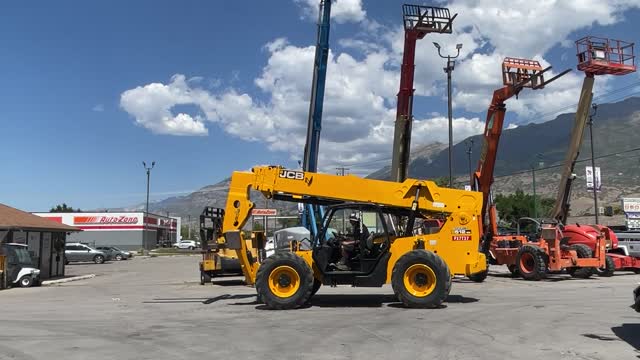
x: 98, y: 108
x: 342, y: 11
x: 362, y: 81
x: 151, y: 106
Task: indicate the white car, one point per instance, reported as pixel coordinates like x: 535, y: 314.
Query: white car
x: 185, y: 244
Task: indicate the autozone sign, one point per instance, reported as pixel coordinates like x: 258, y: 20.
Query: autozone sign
x: 264, y: 212
x: 109, y: 220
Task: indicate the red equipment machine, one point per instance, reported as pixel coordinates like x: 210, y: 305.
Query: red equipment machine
x: 545, y: 249
x: 596, y: 56
x: 418, y: 22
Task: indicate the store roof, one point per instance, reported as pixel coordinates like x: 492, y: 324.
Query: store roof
x: 14, y: 219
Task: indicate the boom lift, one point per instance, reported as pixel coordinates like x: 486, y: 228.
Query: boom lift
x: 419, y: 267
x: 312, y: 146
x: 596, y: 56
x: 545, y: 250
x: 418, y: 22
x: 223, y: 261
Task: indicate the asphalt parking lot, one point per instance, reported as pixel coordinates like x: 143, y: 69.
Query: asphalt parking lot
x: 155, y: 308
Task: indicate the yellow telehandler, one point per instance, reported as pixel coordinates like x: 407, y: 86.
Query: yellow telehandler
x: 367, y: 238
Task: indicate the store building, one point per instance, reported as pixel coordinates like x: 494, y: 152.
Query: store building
x: 125, y: 230
x: 45, y: 238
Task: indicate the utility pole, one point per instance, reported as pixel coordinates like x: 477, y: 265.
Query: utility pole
x: 593, y: 161
x: 189, y: 225
x: 535, y: 198
x: 148, y: 170
x: 469, y: 143
x: 449, y: 69
x: 341, y: 170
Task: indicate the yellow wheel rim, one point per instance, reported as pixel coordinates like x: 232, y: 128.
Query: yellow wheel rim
x: 419, y: 280
x: 284, y: 281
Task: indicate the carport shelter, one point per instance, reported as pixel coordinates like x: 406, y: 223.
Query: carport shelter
x: 45, y: 238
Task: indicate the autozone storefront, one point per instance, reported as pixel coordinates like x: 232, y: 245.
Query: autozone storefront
x: 125, y: 230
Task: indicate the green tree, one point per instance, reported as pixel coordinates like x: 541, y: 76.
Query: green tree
x: 441, y: 181
x: 518, y: 205
x: 64, y: 209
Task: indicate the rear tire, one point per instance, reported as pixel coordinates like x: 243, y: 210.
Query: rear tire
x: 205, y: 278
x: 513, y: 269
x: 284, y: 281
x: 421, y: 279
x: 531, y: 263
x: 583, y: 251
x: 26, y: 281
x: 610, y: 267
x: 98, y: 259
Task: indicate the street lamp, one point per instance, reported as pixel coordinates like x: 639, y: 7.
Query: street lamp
x: 469, y: 143
x: 148, y: 169
x: 449, y: 69
x: 593, y: 161
x: 533, y: 174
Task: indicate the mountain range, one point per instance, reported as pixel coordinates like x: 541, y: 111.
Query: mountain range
x: 535, y: 146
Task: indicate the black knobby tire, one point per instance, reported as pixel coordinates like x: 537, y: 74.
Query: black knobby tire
x: 513, y: 269
x: 205, y: 278
x: 531, y: 263
x: 439, y: 290
x: 609, y: 268
x: 583, y: 251
x: 299, y: 266
x: 98, y: 259
x: 26, y: 281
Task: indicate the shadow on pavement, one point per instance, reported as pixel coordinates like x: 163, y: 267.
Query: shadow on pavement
x: 630, y: 333
x: 197, y: 300
x: 228, y: 282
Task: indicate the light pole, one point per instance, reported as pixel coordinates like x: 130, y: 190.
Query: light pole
x: 148, y: 170
x: 535, y: 198
x: 593, y: 161
x: 469, y: 143
x: 449, y: 69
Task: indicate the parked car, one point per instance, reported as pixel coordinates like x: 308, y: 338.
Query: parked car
x: 20, y: 269
x: 74, y: 252
x: 113, y: 253
x: 185, y: 244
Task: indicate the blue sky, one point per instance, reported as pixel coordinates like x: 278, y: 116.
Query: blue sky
x: 66, y: 65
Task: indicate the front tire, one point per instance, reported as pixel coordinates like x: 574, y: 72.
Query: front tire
x: 583, y: 251
x: 610, y: 267
x: 421, y: 279
x: 26, y: 281
x: 118, y: 257
x: 530, y: 263
x: 98, y: 259
x: 284, y: 281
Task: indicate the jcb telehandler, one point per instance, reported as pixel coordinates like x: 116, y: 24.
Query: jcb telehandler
x: 387, y: 250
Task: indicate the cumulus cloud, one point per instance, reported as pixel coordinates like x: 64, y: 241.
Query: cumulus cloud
x: 342, y: 11
x: 363, y: 78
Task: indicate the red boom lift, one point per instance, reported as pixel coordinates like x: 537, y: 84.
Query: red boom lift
x: 418, y: 22
x: 596, y: 56
x: 546, y: 249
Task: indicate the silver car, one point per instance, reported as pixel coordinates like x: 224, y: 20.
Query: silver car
x: 74, y: 252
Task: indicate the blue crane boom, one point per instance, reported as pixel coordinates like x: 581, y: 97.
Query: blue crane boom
x: 315, y: 108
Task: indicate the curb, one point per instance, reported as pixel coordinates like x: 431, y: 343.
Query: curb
x: 66, y: 280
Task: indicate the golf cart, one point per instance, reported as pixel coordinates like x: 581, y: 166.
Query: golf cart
x: 20, y: 269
